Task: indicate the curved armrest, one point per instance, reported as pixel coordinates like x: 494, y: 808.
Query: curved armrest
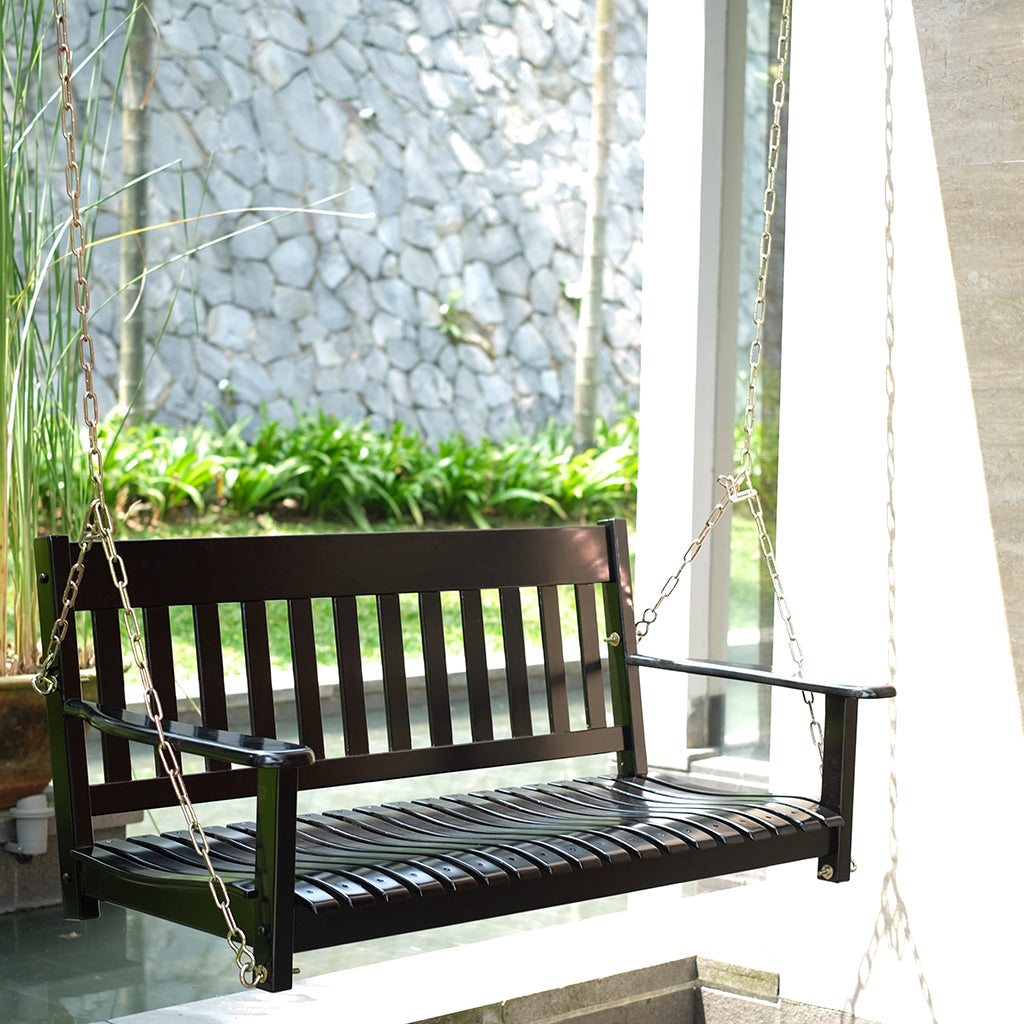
x: 235, y: 747
x: 723, y: 670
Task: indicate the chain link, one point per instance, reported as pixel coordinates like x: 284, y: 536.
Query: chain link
x: 768, y: 209
x: 650, y: 614
x: 740, y: 486
x: 99, y: 527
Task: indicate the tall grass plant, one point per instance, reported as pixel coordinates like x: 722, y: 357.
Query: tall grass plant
x: 38, y: 367
x: 43, y: 469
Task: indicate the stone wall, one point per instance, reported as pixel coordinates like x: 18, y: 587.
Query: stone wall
x: 456, y: 132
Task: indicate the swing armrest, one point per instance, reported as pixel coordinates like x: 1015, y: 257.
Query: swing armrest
x: 723, y: 670
x: 236, y: 747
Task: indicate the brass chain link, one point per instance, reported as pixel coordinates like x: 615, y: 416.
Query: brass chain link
x: 98, y: 526
x: 740, y: 486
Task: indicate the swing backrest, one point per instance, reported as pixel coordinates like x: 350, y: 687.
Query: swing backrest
x: 453, y: 705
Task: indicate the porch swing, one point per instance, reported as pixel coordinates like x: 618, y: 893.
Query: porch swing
x: 285, y: 883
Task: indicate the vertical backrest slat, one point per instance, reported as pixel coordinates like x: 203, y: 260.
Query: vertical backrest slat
x: 213, y: 702
x: 590, y: 656
x: 106, y: 636
x: 350, y: 675
x: 516, y: 675
x: 435, y: 666
x: 396, y: 691
x: 257, y: 669
x: 554, y: 659
x: 475, y: 650
x: 304, y: 671
x: 160, y: 657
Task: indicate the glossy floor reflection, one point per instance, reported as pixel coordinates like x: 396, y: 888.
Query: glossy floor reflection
x: 52, y: 970
x: 82, y: 972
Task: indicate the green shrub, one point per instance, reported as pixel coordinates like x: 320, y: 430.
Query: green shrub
x: 328, y: 470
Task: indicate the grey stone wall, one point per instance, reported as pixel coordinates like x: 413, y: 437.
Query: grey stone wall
x: 457, y: 131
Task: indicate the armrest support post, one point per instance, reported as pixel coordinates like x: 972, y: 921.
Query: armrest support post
x: 275, y: 874
x: 838, y: 761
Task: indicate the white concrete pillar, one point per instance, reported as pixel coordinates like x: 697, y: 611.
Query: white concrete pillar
x: 929, y: 899
x: 679, y: 349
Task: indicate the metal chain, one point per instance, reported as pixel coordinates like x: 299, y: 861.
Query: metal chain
x: 740, y: 486
x: 99, y: 527
x: 650, y: 614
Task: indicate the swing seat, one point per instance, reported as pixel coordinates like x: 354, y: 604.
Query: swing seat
x: 303, y: 879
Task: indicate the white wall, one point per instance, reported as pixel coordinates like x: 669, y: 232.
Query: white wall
x: 925, y: 878
x: 920, y: 932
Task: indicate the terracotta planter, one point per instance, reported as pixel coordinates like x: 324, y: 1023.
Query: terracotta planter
x: 24, y: 738
x: 24, y: 743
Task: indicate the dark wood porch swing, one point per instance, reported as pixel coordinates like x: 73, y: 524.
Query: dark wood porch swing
x: 283, y: 883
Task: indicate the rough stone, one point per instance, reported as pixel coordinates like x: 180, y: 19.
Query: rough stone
x: 480, y: 296
x: 436, y: 18
x: 516, y: 311
x: 363, y: 251
x: 418, y: 268
x: 294, y: 261
x: 538, y: 244
x: 569, y: 37
x: 230, y: 327
x: 430, y: 387
x: 395, y: 297
x: 460, y: 126
x: 404, y: 354
x: 332, y: 76
x: 545, y: 291
x: 333, y: 269
x: 437, y: 424
x: 276, y: 64
x: 528, y: 347
x: 513, y: 277
x: 274, y: 339
x: 497, y: 393
x: 421, y: 181
x: 292, y: 304
x: 388, y: 330
x: 356, y: 296
x: 500, y: 243
x: 418, y: 227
